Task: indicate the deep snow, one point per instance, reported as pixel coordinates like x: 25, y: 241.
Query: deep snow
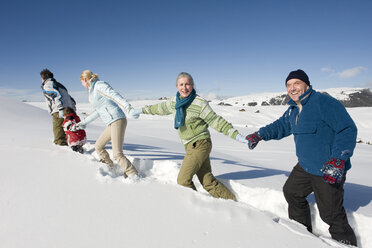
x: 53, y: 197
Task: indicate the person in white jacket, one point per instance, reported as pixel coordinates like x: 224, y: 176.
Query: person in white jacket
x: 106, y: 103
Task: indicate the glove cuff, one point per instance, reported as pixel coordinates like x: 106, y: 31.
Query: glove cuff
x: 337, y: 163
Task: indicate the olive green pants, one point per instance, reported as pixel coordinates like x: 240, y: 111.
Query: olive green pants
x: 115, y: 132
x: 197, y: 162
x: 59, y: 134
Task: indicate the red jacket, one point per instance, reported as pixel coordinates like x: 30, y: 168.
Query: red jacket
x: 74, y: 137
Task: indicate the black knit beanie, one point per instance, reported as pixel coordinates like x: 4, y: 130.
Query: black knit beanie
x: 299, y: 74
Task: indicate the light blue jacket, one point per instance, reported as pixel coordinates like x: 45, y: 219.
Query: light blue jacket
x: 106, y: 103
x: 322, y: 130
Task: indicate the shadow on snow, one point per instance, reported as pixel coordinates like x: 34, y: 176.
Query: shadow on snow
x: 356, y: 195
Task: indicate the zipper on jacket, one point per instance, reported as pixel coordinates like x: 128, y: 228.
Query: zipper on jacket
x: 299, y: 107
x: 297, y: 115
x: 109, y: 113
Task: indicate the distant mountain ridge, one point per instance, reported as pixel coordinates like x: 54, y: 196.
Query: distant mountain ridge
x: 349, y: 97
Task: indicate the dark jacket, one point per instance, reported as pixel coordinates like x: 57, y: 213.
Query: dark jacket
x: 322, y: 130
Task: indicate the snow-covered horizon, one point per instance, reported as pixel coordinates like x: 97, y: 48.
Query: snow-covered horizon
x: 53, y: 197
x: 340, y: 93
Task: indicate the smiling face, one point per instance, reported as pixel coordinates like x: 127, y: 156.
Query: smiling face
x: 295, y: 88
x: 184, y: 86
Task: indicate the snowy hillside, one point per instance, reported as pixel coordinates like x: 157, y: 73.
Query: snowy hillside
x: 53, y: 197
x: 350, y: 97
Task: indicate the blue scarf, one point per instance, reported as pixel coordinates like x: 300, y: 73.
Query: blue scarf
x: 181, y: 105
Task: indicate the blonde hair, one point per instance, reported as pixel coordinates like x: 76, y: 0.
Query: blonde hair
x: 89, y: 75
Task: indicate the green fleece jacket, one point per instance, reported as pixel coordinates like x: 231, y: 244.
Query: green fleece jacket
x: 199, y: 116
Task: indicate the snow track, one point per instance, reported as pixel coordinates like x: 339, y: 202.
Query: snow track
x: 269, y: 201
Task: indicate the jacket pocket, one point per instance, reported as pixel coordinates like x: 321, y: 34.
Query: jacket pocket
x: 109, y: 114
x: 306, y: 128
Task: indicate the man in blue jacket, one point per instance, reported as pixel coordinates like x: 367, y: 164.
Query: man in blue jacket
x: 325, y: 138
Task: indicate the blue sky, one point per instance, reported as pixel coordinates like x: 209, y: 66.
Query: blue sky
x: 230, y: 47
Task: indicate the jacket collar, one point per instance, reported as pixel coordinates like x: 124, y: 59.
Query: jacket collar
x: 46, y: 80
x: 93, y: 83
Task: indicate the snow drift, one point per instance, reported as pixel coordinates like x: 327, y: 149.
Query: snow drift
x: 54, y: 197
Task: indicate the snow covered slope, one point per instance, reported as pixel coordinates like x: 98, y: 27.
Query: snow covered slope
x: 53, y: 197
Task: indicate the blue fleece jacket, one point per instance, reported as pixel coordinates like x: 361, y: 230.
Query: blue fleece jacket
x: 322, y: 130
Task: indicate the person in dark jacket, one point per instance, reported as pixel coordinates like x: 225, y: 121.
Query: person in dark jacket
x: 57, y: 98
x: 325, y: 138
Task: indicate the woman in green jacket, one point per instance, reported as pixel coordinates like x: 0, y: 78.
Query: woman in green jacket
x: 193, y: 116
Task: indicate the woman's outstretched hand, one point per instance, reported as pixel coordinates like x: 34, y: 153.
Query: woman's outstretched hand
x: 241, y: 139
x: 135, y: 113
x: 80, y: 126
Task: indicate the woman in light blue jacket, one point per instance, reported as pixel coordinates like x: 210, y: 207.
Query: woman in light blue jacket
x: 106, y: 103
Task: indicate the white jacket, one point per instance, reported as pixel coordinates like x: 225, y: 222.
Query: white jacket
x: 56, y: 96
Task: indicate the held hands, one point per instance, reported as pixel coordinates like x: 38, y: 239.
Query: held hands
x: 70, y: 126
x: 333, y: 170
x: 135, y: 113
x: 80, y: 126
x: 241, y: 139
x: 60, y: 114
x: 253, y: 140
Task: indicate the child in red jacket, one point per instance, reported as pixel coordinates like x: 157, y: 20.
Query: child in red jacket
x: 75, y: 138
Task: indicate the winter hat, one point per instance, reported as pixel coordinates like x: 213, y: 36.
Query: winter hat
x: 299, y: 74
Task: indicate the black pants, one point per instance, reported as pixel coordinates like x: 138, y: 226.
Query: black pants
x: 329, y: 199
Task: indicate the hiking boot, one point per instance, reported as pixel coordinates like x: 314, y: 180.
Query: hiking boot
x: 347, y: 242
